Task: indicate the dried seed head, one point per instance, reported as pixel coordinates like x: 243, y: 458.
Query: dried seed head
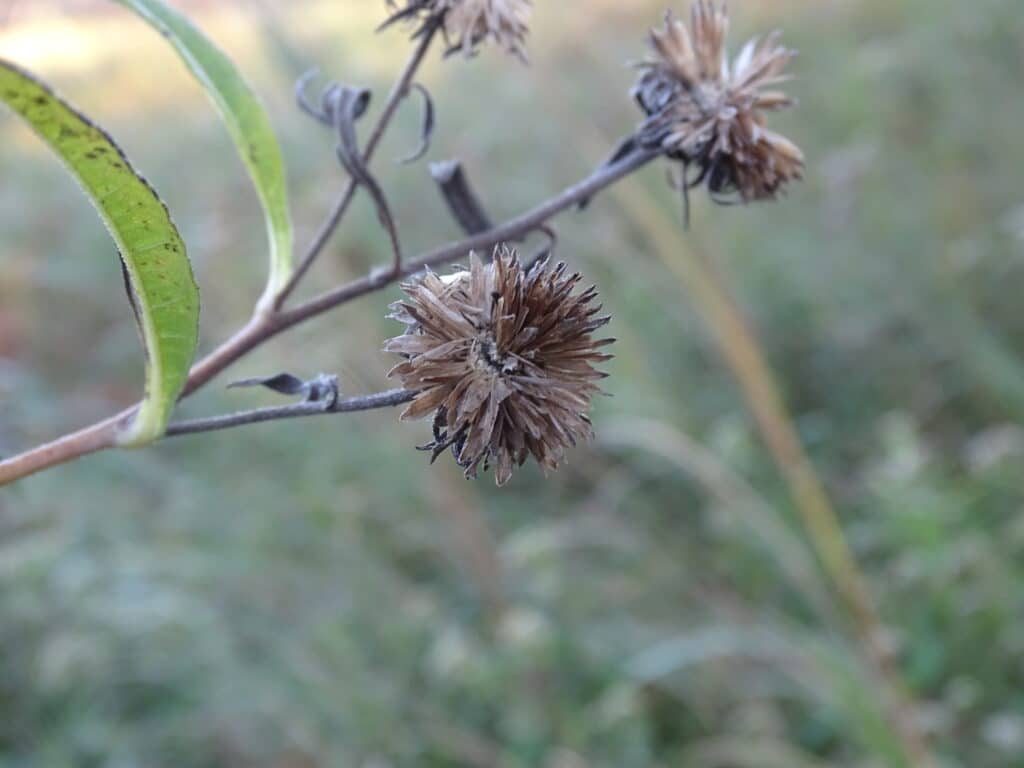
x: 469, y: 23
x: 710, y: 114
x: 503, y: 356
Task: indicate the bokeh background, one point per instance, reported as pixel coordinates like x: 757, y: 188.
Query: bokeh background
x: 314, y: 594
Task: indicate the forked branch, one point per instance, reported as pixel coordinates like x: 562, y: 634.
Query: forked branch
x: 100, y: 436
x: 398, y: 93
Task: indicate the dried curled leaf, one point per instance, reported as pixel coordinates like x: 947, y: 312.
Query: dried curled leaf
x: 323, y: 388
x: 341, y: 106
x: 426, y: 126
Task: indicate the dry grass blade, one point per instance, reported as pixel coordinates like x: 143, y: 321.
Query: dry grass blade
x: 737, y: 500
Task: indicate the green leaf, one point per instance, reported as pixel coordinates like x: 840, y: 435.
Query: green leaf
x: 157, y: 271
x: 246, y: 121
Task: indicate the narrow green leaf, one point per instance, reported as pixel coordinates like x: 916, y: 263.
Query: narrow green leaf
x: 157, y: 271
x: 246, y: 121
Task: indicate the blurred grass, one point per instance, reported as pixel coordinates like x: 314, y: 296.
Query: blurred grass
x: 314, y: 594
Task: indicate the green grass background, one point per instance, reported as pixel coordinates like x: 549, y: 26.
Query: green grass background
x: 314, y: 594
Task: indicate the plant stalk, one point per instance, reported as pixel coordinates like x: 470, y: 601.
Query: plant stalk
x: 97, y: 437
x: 263, y: 327
x: 388, y: 399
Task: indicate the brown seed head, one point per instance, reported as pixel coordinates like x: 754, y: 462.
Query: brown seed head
x: 469, y: 23
x: 708, y: 112
x: 504, y: 358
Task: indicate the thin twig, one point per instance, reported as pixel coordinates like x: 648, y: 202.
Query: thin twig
x: 398, y: 93
x: 387, y: 399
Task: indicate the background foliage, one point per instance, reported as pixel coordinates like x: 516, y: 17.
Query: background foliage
x: 313, y: 593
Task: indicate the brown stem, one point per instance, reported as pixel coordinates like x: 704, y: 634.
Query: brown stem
x: 265, y: 326
x: 97, y: 437
x: 251, y: 335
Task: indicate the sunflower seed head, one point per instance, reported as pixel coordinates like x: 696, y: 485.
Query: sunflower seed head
x: 504, y: 358
x: 710, y: 113
x: 469, y: 23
